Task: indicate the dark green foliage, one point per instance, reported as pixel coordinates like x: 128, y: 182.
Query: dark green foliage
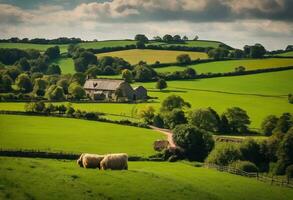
x: 127, y: 75
x: 40, y: 86
x: 161, y: 84
x: 23, y: 64
x: 183, y: 59
x: 167, y: 38
x: 35, y: 107
x: 79, y: 78
x: 54, y: 69
x: 158, y: 121
x: 238, y: 119
x: 224, y: 154
x: 285, y: 152
x: 24, y: 83
x: 174, y: 118
x: 269, y: 124
x: 251, y: 150
x: 257, y: 51
x: 244, y: 166
x: 141, y: 38
x: 196, y: 142
x: 83, y: 60
x: 172, y: 102
x: 64, y: 83
x: 218, y: 53
x: 10, y: 56
x: 237, y: 53
x: 93, y: 71
x: 284, y: 123
x: 140, y: 45
x: 116, y: 64
x: 189, y: 73
x: 289, y: 171
x: 5, y: 83
x: 13, y: 72
x: 290, y: 98
x: 143, y: 73
x: 76, y: 91
x: 53, y: 52
x: 206, y: 119
x: 109, y: 70
x: 55, y: 92
x: 239, y: 69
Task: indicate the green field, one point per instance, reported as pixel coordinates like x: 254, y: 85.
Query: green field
x: 72, y: 135
x: 41, y: 47
x: 260, y: 95
x: 229, y: 66
x: 56, y: 179
x: 133, y: 56
x: 66, y: 65
x: 290, y: 53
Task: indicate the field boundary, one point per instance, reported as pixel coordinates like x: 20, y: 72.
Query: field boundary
x: 260, y: 177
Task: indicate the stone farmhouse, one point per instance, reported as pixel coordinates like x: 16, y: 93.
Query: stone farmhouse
x: 113, y: 90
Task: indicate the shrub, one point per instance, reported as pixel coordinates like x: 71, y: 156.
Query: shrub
x: 158, y: 121
x: 183, y: 59
x: 224, y: 154
x: 174, y: 118
x: 289, y: 171
x: 251, y: 151
x: 244, y: 166
x: 269, y: 124
x: 196, y: 143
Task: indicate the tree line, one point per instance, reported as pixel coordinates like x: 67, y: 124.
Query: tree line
x: 60, y: 40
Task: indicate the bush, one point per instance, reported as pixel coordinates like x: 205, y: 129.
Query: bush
x: 289, y: 171
x: 251, y: 151
x: 183, y: 59
x: 196, y: 142
x: 224, y: 154
x: 158, y: 121
x: 244, y: 166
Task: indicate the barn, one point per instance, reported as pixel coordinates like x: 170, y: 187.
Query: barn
x: 113, y: 90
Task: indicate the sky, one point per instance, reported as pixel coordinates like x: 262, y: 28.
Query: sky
x: 234, y: 22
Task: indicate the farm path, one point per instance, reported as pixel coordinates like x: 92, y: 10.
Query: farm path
x: 166, y: 132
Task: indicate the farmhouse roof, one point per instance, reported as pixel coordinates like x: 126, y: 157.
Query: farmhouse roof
x: 102, y: 84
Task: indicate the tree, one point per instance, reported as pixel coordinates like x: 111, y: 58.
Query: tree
x: 76, y: 91
x: 142, y: 38
x: 147, y: 113
x: 55, y: 93
x: 5, y: 83
x: 143, y: 73
x: 157, y: 39
x: 53, y: 52
x: 205, y: 119
x: 23, y: 64
x: 189, y: 72
x: 172, y: 102
x: 69, y: 110
x: 93, y: 71
x: 24, y: 84
x: 79, y: 78
x: 284, y: 123
x: 183, y: 59
x: 13, y: 72
x: 54, y: 69
x: 239, y: 69
x: 64, y: 83
x: 127, y: 75
x: 269, y: 124
x: 84, y: 59
x: 238, y: 119
x: 167, y: 38
x: 237, y: 53
x: 174, y: 118
x: 290, y: 98
x: 251, y: 150
x: 285, y: 152
x: 177, y: 38
x: 140, y: 45
x: 218, y: 53
x: 40, y: 86
x: 109, y: 70
x: 185, y: 38
x: 35, y: 107
x: 196, y: 37
x: 257, y: 51
x: 161, y: 84
x: 196, y: 142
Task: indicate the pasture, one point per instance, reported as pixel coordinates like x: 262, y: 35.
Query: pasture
x: 40, y: 47
x: 60, y: 179
x: 260, y: 95
x: 66, y: 65
x: 229, y: 66
x: 72, y: 135
x: 133, y: 56
x: 286, y: 54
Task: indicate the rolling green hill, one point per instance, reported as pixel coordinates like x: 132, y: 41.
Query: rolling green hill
x: 58, y: 179
x: 71, y: 135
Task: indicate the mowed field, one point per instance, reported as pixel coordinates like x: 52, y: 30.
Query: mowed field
x: 72, y: 135
x: 260, y: 95
x: 229, y: 66
x: 58, y: 179
x: 133, y: 56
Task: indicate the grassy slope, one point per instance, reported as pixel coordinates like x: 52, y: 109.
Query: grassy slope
x: 228, y: 66
x: 41, y: 47
x: 290, y: 53
x: 151, y: 56
x: 144, y: 180
x: 66, y: 65
x: 71, y: 135
x: 219, y: 93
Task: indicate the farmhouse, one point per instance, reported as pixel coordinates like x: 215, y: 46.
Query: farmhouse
x: 111, y: 89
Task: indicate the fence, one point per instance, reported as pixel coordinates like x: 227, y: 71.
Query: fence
x: 273, y: 180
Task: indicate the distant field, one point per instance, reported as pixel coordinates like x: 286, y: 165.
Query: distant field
x: 72, y: 135
x: 290, y: 53
x: 260, y: 95
x: 41, y: 47
x: 59, y: 179
x: 133, y: 56
x: 108, y: 43
x: 66, y: 65
x: 228, y: 66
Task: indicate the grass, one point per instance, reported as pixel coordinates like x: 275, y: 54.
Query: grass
x: 56, y: 179
x: 228, y: 66
x: 73, y: 135
x: 289, y: 53
x: 66, y: 65
x: 41, y: 47
x: 133, y: 56
x: 260, y: 95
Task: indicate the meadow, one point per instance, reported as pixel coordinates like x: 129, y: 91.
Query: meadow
x: 66, y: 65
x: 41, y: 47
x: 260, y: 95
x: 286, y: 54
x: 229, y: 66
x: 133, y: 56
x: 60, y: 179
x: 73, y: 135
